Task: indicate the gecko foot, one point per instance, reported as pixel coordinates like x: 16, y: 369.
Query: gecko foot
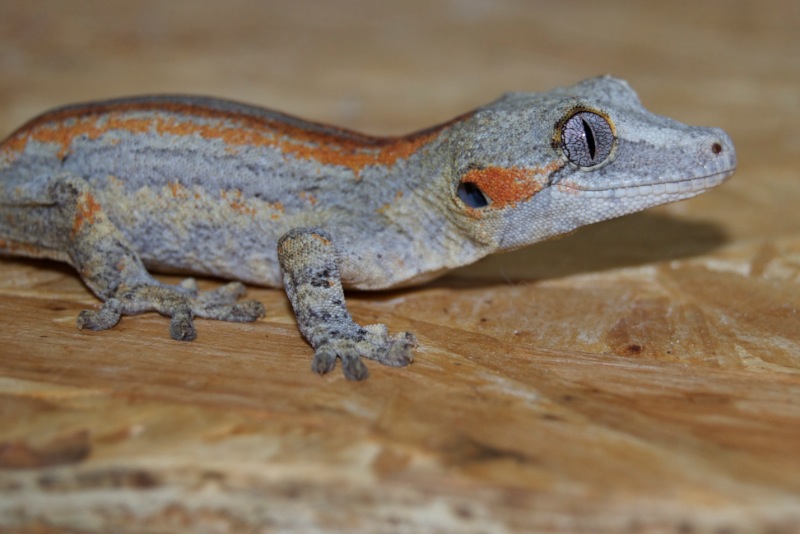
x: 373, y: 342
x: 182, y: 303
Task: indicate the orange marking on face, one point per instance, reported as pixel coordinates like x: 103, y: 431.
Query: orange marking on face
x: 474, y: 213
x: 88, y: 209
x: 507, y: 186
x: 302, y: 140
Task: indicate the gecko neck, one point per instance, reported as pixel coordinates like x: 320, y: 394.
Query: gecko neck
x: 413, y: 239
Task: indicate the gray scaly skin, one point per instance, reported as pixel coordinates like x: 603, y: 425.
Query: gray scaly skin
x: 206, y: 186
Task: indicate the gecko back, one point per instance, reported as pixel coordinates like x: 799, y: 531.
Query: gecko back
x: 195, y: 185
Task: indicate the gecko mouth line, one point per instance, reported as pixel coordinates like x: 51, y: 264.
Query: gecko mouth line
x: 679, y: 186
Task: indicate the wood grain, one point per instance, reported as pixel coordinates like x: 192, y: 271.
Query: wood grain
x: 641, y: 375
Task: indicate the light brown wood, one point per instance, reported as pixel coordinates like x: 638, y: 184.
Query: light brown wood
x: 641, y: 375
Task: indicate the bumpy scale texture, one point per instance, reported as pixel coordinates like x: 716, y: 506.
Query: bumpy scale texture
x: 212, y: 187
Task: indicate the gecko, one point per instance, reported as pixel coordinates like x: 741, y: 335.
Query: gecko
x: 202, y: 186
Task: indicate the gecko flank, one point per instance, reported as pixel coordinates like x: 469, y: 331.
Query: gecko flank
x: 206, y: 186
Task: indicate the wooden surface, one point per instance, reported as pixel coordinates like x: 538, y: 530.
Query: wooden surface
x: 642, y: 375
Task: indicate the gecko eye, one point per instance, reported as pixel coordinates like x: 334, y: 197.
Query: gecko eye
x: 587, y: 139
x: 471, y: 195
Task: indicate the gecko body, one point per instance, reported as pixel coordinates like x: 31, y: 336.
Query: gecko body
x: 211, y: 187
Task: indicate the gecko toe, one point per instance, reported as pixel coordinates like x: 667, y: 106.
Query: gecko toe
x: 227, y: 294
x: 242, y: 312
x: 181, y: 326
x: 401, y: 351
x: 221, y: 304
x: 107, y: 317
x: 395, y: 351
x: 247, y: 311
x: 324, y: 361
x: 353, y: 367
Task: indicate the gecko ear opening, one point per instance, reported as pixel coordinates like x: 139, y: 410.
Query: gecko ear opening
x: 471, y: 195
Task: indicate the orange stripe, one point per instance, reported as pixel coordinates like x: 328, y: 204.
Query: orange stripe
x: 330, y: 147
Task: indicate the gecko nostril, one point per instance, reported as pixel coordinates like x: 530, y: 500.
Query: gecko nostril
x: 716, y: 148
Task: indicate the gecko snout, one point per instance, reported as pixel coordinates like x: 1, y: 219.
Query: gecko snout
x: 716, y: 151
x: 722, y: 150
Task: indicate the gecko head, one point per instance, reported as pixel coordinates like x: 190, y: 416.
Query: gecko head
x: 532, y: 166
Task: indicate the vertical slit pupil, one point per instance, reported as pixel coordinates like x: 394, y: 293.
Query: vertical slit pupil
x: 587, y: 130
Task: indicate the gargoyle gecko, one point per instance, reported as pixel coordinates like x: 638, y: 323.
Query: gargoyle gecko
x: 212, y: 187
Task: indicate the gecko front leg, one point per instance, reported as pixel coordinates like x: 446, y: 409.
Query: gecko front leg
x: 311, y: 277
x: 115, y: 273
